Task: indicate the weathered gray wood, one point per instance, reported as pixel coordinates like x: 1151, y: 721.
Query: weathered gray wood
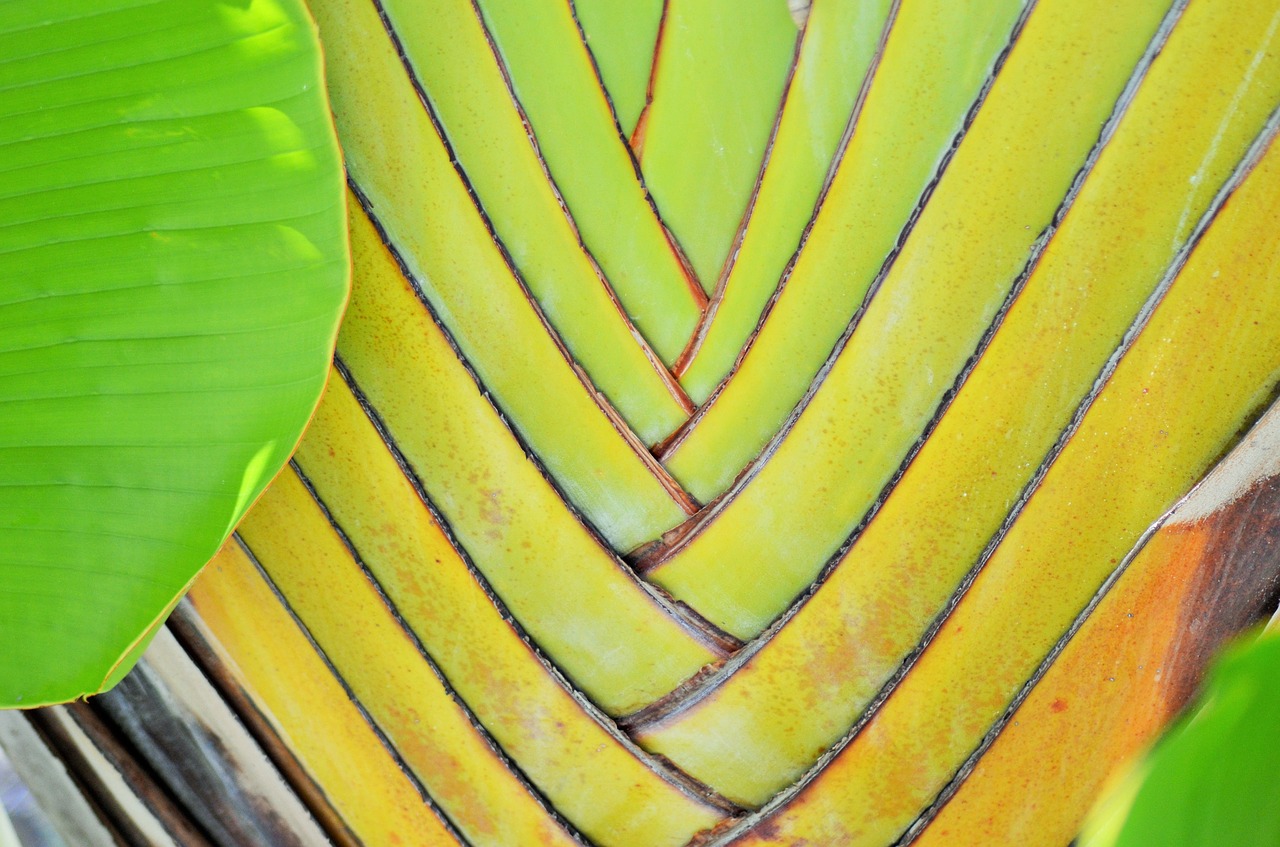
x: 52, y: 786
x: 199, y: 749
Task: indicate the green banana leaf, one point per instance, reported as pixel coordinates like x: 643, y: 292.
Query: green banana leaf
x: 174, y: 262
x: 1211, y: 780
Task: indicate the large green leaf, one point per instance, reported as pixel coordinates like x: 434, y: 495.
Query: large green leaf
x: 173, y: 257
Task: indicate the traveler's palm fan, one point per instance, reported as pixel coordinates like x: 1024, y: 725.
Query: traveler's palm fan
x: 749, y: 433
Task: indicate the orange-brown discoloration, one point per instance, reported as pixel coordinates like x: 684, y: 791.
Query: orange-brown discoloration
x: 1199, y: 371
x: 1128, y: 671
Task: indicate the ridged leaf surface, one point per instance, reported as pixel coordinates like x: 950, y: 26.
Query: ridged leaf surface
x: 173, y: 257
